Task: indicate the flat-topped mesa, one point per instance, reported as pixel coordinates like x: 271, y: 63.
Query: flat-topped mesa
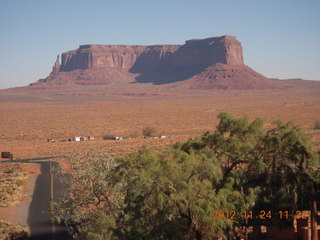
x: 210, y: 63
x: 203, y: 52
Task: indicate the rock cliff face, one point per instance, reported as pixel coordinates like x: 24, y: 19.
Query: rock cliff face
x: 203, y: 52
x: 197, y: 61
x: 56, y: 66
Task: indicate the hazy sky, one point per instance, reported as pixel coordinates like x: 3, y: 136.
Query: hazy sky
x: 280, y: 38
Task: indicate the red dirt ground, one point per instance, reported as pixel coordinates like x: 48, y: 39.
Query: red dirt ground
x: 30, y: 119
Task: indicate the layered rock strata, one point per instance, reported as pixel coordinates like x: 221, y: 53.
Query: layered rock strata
x: 215, y: 62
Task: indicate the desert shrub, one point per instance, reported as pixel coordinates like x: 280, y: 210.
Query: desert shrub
x: 149, y: 132
x: 135, y: 134
x: 20, y: 182
x: 9, y: 171
x: 12, y: 231
x: 317, y: 124
x: 89, y: 209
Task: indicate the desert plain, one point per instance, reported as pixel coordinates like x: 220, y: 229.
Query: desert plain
x: 29, y: 118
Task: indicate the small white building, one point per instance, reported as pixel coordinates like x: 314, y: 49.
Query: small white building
x: 76, y: 139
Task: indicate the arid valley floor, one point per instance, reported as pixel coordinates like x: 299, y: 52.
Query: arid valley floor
x: 28, y: 119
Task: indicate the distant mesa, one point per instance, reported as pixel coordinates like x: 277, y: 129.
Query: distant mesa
x: 211, y: 63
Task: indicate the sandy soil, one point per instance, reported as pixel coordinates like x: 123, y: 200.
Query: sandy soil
x: 13, y: 218
x: 27, y: 125
x: 19, y: 213
x: 13, y: 179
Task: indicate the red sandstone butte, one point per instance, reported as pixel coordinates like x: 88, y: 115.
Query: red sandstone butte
x: 211, y: 63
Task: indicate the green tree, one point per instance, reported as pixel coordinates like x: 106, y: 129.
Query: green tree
x: 173, y: 193
x: 293, y: 168
x: 90, y: 206
x: 280, y: 161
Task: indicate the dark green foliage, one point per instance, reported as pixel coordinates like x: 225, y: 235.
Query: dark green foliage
x: 290, y: 158
x: 172, y: 194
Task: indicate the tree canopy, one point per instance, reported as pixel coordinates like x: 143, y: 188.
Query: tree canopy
x: 171, y: 194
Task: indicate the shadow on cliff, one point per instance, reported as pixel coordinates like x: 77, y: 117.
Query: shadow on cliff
x: 165, y: 75
x: 167, y: 67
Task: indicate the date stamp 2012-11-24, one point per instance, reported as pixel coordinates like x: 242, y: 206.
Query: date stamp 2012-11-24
x: 263, y: 215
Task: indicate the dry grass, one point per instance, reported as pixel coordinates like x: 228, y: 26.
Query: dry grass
x: 12, y: 178
x: 11, y: 231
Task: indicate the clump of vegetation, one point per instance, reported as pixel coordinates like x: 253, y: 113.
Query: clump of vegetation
x: 92, y: 204
x: 149, y: 132
x: 135, y: 134
x: 12, y: 231
x: 317, y: 124
x: 12, y: 179
x: 172, y: 194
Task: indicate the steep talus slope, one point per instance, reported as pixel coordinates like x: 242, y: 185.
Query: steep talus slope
x: 223, y: 76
